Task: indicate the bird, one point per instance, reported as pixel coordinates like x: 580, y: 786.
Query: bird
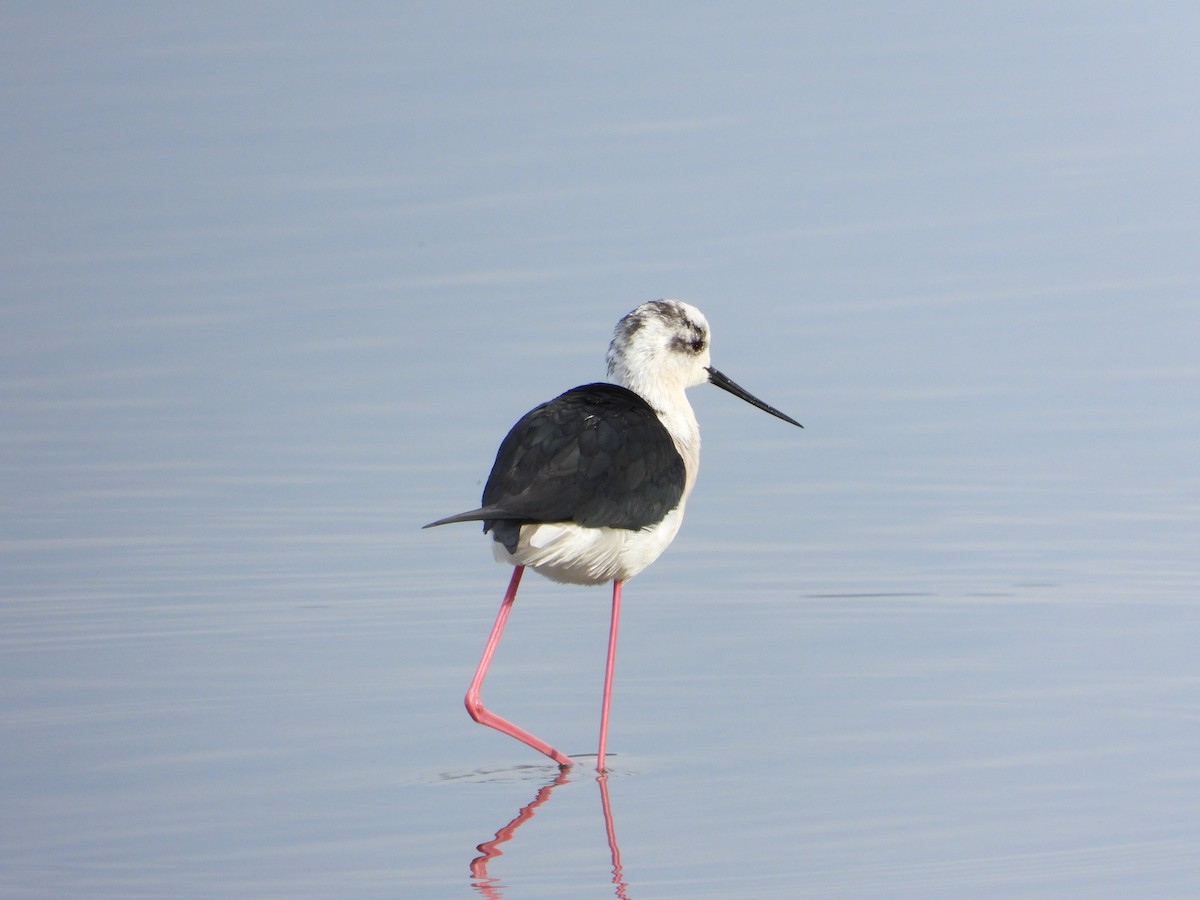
x: 590, y: 487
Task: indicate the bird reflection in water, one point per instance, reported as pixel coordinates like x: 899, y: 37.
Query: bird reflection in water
x: 492, y: 888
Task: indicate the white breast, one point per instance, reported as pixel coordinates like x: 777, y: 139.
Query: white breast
x: 573, y: 554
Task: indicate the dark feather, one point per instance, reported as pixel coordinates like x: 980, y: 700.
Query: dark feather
x: 597, y: 456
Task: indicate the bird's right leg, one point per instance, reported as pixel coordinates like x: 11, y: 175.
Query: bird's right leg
x: 474, y: 703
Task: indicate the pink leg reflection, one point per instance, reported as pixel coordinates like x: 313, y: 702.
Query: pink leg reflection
x: 493, y: 889
x: 489, y: 850
x: 611, y: 832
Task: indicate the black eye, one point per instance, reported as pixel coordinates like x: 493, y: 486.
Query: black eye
x: 697, y: 345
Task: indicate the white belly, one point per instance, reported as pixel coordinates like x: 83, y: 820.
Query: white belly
x: 570, y: 553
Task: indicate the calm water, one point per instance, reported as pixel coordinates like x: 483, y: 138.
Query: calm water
x: 276, y: 282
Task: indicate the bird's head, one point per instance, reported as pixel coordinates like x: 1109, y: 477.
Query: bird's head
x: 661, y: 348
x: 661, y: 345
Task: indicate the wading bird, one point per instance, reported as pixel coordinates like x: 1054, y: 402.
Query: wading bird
x: 590, y: 487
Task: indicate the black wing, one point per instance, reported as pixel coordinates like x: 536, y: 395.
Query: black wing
x: 596, y: 455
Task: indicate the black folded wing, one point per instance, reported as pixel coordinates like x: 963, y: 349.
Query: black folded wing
x: 596, y: 456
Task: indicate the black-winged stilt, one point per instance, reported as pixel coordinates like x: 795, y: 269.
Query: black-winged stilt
x: 590, y: 487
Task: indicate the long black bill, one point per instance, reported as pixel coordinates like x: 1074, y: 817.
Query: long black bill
x: 727, y: 384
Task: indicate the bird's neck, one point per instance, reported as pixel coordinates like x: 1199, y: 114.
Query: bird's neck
x: 685, y: 432
x: 671, y: 404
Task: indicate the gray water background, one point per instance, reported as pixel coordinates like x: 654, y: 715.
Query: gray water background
x: 278, y: 277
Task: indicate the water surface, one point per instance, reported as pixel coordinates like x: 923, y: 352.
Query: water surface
x: 278, y: 280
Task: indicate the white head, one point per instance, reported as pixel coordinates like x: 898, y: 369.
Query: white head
x: 660, y: 349
x: 662, y: 346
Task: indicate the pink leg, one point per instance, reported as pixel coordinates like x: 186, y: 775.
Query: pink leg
x: 608, y: 674
x: 475, y: 705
